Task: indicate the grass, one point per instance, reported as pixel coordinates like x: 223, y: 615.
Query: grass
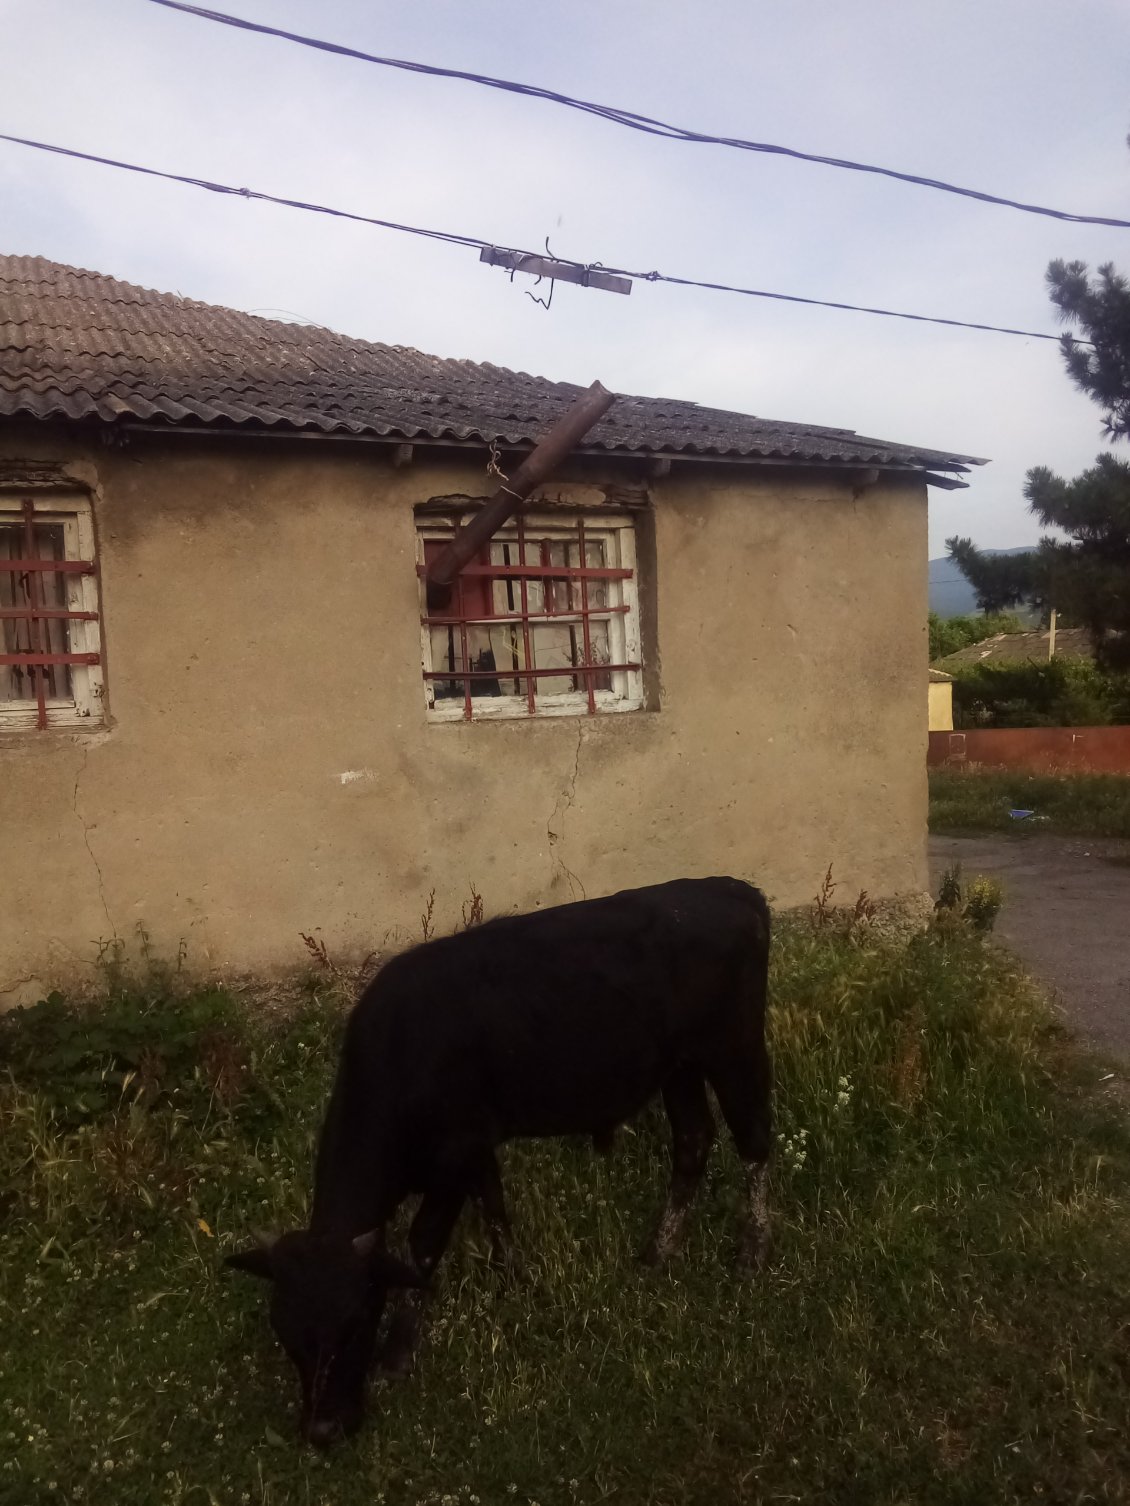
x: 1083, y: 805
x: 944, y: 1318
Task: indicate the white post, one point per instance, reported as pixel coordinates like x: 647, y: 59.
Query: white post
x: 1051, y: 636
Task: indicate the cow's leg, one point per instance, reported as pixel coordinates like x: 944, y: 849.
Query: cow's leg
x: 742, y: 1080
x: 488, y: 1192
x: 428, y: 1237
x: 692, y: 1134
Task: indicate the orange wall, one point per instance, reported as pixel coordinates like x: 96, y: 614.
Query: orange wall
x: 1039, y: 750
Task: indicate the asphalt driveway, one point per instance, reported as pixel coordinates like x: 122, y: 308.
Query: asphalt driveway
x: 1066, y: 915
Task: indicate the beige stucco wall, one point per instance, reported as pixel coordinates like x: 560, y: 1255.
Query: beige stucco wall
x: 261, y: 636
x: 941, y: 707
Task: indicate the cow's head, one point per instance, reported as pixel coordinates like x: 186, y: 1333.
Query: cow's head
x: 327, y: 1296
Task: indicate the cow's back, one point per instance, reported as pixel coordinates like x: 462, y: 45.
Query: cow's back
x: 549, y: 1022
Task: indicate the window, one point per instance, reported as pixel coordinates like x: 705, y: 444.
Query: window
x: 543, y: 622
x: 50, y: 659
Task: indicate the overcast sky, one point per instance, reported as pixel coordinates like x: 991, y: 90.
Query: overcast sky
x: 1025, y: 98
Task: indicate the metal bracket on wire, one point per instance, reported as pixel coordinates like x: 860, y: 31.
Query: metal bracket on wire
x: 556, y: 271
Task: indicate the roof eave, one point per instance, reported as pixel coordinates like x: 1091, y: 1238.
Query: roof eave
x: 925, y: 467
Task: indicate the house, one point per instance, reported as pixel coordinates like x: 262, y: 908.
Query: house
x: 230, y: 713
x: 1021, y: 648
x: 940, y: 701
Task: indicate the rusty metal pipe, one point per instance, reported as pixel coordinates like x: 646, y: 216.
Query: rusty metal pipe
x: 546, y: 455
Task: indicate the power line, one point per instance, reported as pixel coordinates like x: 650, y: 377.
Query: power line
x: 636, y: 122
x: 473, y: 241
x: 243, y: 193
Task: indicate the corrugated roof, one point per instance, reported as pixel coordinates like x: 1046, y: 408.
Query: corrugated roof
x: 1019, y: 648
x: 77, y: 344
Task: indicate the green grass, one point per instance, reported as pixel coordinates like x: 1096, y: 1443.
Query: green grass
x: 1083, y: 805
x: 944, y: 1317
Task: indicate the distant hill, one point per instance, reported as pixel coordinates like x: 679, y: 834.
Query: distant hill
x: 951, y: 595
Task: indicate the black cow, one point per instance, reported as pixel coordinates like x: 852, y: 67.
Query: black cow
x: 567, y: 1021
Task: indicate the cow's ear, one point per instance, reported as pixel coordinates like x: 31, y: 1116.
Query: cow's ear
x: 255, y: 1260
x: 392, y: 1272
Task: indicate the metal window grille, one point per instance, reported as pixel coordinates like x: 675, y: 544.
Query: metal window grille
x: 542, y: 622
x: 43, y: 612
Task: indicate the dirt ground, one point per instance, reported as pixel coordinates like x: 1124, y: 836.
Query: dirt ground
x: 1066, y: 915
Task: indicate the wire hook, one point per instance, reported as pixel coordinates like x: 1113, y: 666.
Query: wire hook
x: 545, y: 302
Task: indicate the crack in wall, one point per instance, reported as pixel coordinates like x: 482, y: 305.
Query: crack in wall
x: 86, y: 840
x: 562, y: 805
x: 9, y: 986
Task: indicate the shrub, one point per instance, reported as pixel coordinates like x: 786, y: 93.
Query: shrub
x: 1058, y: 693
x: 1086, y: 805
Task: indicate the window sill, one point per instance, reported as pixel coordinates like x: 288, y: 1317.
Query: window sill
x: 576, y: 706
x: 62, y: 722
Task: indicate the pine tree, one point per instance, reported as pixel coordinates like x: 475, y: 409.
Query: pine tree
x: 1001, y: 581
x: 1088, y: 576
x: 1102, y: 311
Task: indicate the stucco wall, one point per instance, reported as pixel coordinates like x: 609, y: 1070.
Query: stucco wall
x: 261, y: 633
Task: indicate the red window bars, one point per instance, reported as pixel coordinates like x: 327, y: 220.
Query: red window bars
x: 34, y: 614
x: 534, y: 619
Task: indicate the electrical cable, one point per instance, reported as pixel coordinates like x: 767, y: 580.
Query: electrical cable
x: 452, y: 238
x: 632, y: 120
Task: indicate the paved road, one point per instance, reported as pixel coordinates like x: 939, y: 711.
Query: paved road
x: 1066, y: 914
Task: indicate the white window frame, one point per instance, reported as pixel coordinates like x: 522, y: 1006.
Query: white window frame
x: 617, y: 532
x: 84, y: 707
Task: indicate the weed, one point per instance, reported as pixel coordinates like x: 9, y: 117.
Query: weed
x: 983, y: 900
x: 823, y: 910
x: 319, y: 953
x: 427, y: 919
x: 472, y: 909
x: 949, y: 894
x: 978, y: 902
x: 853, y: 923
x: 84, y: 1060
x: 864, y: 910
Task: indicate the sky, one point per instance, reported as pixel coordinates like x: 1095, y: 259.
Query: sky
x: 1029, y: 99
